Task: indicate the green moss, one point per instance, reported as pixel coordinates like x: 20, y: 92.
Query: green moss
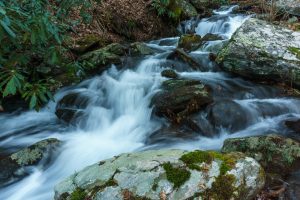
x: 78, y: 194
x: 224, y: 168
x: 154, y: 186
x: 177, y: 176
x: 223, y: 188
x: 197, y: 157
x: 295, y: 51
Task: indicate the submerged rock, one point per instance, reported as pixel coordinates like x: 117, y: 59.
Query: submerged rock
x: 275, y: 153
x: 228, y: 114
x: 166, y: 174
x: 70, y: 107
x: 180, y: 98
x: 186, y: 9
x: 12, y: 167
x: 262, y: 51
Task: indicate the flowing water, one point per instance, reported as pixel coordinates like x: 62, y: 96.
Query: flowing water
x: 118, y: 117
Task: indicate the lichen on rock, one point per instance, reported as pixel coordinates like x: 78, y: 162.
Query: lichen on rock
x: 157, y: 173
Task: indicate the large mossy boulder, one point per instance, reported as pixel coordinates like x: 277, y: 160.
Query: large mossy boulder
x: 262, y: 51
x: 291, y: 7
x: 275, y: 153
x: 13, y: 166
x: 166, y: 174
x: 179, y: 98
x: 186, y: 9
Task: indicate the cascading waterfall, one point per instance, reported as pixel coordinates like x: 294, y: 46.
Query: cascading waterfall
x: 118, y: 118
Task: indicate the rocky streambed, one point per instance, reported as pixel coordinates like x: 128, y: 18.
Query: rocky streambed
x: 224, y: 92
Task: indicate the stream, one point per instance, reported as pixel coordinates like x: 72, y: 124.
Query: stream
x: 118, y: 118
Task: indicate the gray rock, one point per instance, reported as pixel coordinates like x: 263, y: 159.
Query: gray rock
x: 291, y: 7
x: 275, y: 153
x: 259, y: 50
x: 180, y: 55
x: 180, y: 98
x: 190, y: 42
x: 12, y: 167
x: 140, y: 49
x: 71, y: 106
x: 153, y: 175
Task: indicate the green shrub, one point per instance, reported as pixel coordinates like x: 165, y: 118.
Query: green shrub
x: 167, y: 8
x: 32, y: 35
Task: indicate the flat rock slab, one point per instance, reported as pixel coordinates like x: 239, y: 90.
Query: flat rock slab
x: 166, y: 174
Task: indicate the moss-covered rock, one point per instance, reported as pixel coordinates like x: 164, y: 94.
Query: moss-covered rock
x: 187, y: 9
x: 275, y: 153
x: 166, y: 173
x: 88, y: 43
x: 180, y: 98
x: 12, y: 165
x: 96, y: 61
x: 140, y: 49
x: 262, y: 51
x: 190, y: 42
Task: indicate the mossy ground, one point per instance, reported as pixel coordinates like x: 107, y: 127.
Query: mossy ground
x: 177, y: 176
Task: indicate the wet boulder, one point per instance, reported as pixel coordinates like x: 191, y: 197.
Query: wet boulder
x: 211, y: 37
x: 13, y: 166
x: 71, y: 107
x: 227, y: 114
x: 169, y: 73
x: 97, y: 61
x: 166, y: 174
x: 275, y: 153
x: 190, y: 42
x: 291, y: 7
x: 263, y: 51
x: 293, y: 125
x: 140, y: 49
x: 180, y: 98
x: 186, y: 9
x: 180, y: 55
